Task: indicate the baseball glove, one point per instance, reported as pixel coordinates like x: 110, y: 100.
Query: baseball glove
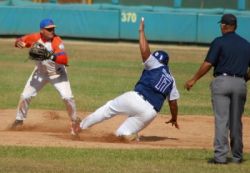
x: 39, y: 52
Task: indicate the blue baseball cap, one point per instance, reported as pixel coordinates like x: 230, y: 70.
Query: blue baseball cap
x: 47, y: 23
x: 161, y: 56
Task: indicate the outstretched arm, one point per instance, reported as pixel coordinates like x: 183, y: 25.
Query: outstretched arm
x: 27, y: 41
x: 204, y: 68
x: 144, y: 47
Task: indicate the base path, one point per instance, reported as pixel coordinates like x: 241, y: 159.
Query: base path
x: 51, y: 128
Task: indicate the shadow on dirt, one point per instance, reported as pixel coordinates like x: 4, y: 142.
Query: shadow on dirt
x: 155, y: 138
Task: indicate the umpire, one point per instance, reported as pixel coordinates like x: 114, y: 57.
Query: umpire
x: 230, y: 57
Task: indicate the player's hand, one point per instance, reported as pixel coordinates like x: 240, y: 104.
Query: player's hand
x: 173, y: 122
x: 141, y: 28
x: 20, y: 44
x: 189, y: 84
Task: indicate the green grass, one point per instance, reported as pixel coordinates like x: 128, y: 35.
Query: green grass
x: 99, y: 72
x: 65, y: 160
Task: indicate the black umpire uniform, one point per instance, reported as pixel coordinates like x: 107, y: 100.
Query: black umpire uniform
x: 230, y: 57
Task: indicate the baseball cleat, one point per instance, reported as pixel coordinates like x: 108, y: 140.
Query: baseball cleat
x: 16, y: 124
x: 75, y: 127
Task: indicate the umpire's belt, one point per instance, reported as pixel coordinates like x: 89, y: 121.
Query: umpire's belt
x: 145, y: 100
x: 228, y: 74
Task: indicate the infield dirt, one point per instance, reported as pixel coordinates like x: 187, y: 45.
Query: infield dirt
x: 51, y: 128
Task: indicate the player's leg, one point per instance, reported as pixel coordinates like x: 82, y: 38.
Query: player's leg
x: 122, y: 104
x: 62, y: 85
x: 141, y: 114
x: 34, y: 84
x: 64, y: 89
x: 103, y: 113
x: 237, y: 108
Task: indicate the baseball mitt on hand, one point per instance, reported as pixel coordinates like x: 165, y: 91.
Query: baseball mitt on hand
x: 39, y: 52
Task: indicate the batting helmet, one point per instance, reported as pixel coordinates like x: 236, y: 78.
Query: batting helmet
x: 161, y: 56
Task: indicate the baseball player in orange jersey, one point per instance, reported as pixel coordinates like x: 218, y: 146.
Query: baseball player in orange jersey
x: 47, y: 71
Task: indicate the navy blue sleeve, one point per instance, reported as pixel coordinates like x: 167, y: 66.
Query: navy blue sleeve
x: 214, y: 52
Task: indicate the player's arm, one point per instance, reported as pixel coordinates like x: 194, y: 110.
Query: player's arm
x: 20, y: 43
x: 174, y: 113
x: 59, y: 56
x: 144, y: 47
x: 173, y: 106
x: 27, y: 40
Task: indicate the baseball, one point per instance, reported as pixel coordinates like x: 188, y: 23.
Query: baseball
x: 142, y: 19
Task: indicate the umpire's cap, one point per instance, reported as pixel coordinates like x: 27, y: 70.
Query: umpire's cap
x: 161, y: 56
x: 47, y: 23
x: 228, y: 19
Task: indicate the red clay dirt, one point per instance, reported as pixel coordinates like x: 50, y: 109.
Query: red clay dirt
x: 45, y: 128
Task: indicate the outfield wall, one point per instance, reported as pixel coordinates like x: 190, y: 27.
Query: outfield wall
x: 109, y: 21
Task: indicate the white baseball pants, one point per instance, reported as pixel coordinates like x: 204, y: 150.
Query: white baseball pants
x: 140, y: 113
x: 36, y: 82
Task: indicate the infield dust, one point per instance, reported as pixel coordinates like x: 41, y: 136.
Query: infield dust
x: 51, y: 128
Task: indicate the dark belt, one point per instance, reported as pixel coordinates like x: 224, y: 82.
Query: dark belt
x: 145, y: 100
x: 227, y: 74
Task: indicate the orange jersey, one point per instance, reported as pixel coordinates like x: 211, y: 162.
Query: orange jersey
x: 56, y: 45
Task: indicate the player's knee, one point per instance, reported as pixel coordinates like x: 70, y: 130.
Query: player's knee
x: 26, y: 97
x: 69, y: 100
x: 67, y: 97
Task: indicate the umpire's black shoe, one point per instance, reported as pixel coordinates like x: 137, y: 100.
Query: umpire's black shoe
x: 16, y: 124
x: 213, y: 161
x: 237, y: 161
